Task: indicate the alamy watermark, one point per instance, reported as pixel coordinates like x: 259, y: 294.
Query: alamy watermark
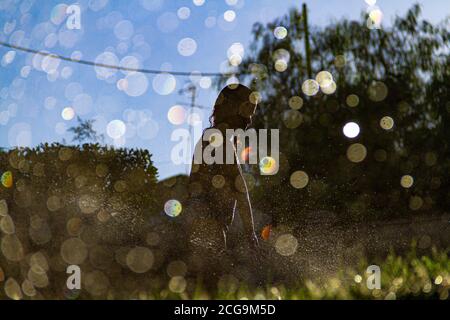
x: 373, y: 281
x: 74, y: 17
x: 74, y: 280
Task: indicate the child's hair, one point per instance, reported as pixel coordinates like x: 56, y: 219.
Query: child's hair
x: 233, y: 100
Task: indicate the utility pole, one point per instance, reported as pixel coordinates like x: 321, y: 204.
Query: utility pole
x: 307, y: 47
x: 192, y: 89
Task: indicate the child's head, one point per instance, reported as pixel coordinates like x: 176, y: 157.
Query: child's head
x: 234, y: 107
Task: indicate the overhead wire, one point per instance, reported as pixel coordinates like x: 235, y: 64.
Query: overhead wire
x: 115, y: 67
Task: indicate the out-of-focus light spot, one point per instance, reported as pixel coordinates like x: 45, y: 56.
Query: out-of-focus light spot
x: 50, y: 64
x: 351, y: 130
x: 356, y: 152
x: 28, y: 288
x: 265, y: 233
x: 50, y: 103
x: 310, y: 87
x: 324, y: 79
x: 187, y: 47
x: 105, y: 58
x: 286, y: 245
x: 268, y: 166
x: 231, y: 2
x: 74, y: 251
x: 407, y: 181
x: 58, y: 14
x: 12, y: 248
x: 339, y: 61
x: 281, y: 54
x: 7, y: 179
x: 176, y: 115
x: 235, y: 53
x: 153, y: 239
x: 292, y: 118
x: 76, y: 56
x: 176, y: 268
x: 299, y: 179
x: 376, y: 16
x: 12, y: 289
x: 124, y: 30
x: 122, y: 48
x: 380, y: 155
x: 140, y: 259
x: 136, y: 84
x: 54, y: 203
x: 9, y: 27
x: 280, y: 33
x: 218, y: 181
x: 88, y: 203
x: 352, y: 100
x: 3, y: 208
x: 177, y: 284
x: 281, y: 65
x: 66, y: 72
x: 358, y: 278
x: 235, y: 60
x: 122, y: 84
x: 60, y: 128
x: 164, y: 83
x: 387, y: 123
x: 415, y: 202
x: 8, y: 58
x: 438, y: 280
x: 229, y: 15
x: 173, y: 208
x: 295, y: 103
x: 377, y: 91
x: 329, y: 89
x: 129, y: 62
x: 205, y: 82
x: 184, y: 13
x: 198, y: 3
x: 68, y: 113
x: 195, y: 77
x: 116, y: 129
x: 194, y: 119
x: 216, y: 140
x: 25, y: 71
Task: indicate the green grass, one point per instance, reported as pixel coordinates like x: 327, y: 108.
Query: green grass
x: 402, y: 277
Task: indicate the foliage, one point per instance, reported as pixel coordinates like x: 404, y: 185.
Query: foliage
x: 410, y: 277
x: 408, y: 60
x: 80, y: 182
x: 85, y: 132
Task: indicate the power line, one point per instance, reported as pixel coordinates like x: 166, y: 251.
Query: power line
x: 108, y: 66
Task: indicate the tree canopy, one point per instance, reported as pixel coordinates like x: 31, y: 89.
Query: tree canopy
x: 392, y: 82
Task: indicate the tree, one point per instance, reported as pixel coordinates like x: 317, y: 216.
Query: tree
x: 85, y: 131
x: 401, y: 72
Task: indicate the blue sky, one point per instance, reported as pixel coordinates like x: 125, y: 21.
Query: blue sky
x: 146, y: 33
